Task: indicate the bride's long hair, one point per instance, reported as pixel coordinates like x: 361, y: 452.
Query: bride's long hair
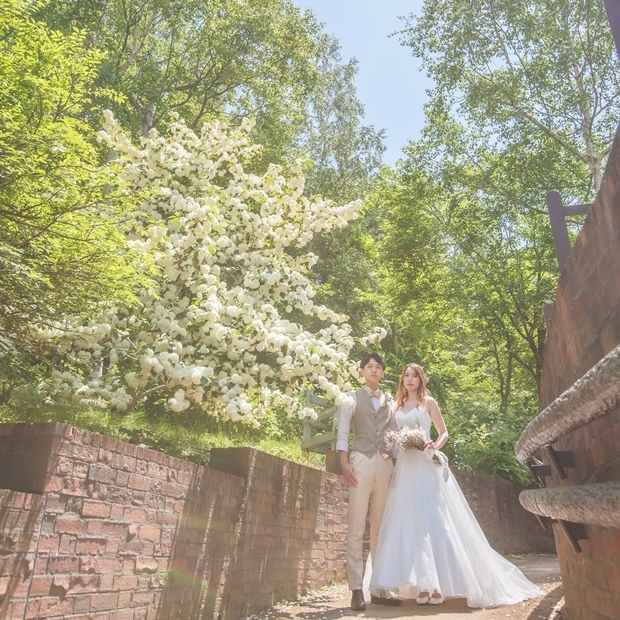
x: 401, y: 393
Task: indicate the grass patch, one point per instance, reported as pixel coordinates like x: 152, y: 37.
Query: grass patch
x: 189, y: 436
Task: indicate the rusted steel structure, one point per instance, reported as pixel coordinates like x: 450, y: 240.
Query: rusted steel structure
x: 572, y: 446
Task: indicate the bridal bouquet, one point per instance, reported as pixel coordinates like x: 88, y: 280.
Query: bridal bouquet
x: 413, y: 438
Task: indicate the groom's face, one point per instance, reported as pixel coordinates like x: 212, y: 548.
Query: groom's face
x: 372, y: 373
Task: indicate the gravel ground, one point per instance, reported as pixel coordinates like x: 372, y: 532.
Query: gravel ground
x: 333, y: 602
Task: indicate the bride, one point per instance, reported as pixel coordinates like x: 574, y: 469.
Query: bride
x: 430, y: 545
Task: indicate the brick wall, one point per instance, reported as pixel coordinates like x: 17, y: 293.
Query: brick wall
x: 20, y: 521
x: 119, y: 532
x: 122, y: 532
x: 508, y: 527
x: 584, y: 327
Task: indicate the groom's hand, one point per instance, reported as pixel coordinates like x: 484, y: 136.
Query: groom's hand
x: 347, y: 470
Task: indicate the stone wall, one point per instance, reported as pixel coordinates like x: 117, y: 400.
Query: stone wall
x: 584, y: 327
x: 508, y: 527
x: 91, y: 527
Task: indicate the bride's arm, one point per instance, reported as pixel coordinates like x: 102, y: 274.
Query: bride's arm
x: 440, y: 425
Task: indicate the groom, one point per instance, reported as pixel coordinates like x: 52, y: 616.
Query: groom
x: 367, y: 470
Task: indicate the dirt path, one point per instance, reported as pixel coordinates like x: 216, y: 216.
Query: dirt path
x: 333, y: 602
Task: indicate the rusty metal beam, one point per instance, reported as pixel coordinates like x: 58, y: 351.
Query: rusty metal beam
x: 557, y: 216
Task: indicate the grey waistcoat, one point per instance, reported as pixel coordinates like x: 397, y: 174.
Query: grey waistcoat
x: 369, y: 426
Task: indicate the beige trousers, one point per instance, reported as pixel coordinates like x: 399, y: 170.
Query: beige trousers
x: 373, y: 481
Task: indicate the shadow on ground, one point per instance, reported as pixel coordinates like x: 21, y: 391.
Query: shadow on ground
x: 332, y: 602
x: 550, y: 607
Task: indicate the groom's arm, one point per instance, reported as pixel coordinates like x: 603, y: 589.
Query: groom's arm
x: 345, y: 415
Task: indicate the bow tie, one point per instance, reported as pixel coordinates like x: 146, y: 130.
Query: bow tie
x: 371, y: 392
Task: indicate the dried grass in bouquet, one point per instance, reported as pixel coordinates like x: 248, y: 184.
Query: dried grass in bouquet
x: 412, y: 438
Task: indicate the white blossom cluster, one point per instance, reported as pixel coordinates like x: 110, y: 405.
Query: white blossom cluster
x: 221, y: 328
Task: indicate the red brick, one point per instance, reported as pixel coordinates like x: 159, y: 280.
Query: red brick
x: 117, y: 512
x: 67, y: 544
x: 137, y: 515
x: 83, y: 583
x: 139, y: 483
x: 106, y: 583
x: 170, y: 489
x: 63, y: 564
x: 122, y: 478
x: 108, y: 443
x: 169, y: 518
x: 64, y: 466
x: 32, y: 609
x: 105, y: 456
x: 83, y: 453
x: 123, y: 462
x: 132, y: 548
x: 112, y: 546
x: 103, y: 602
x: 155, y: 470
x: 69, y: 524
x: 142, y: 599
x: 95, y: 527
x: 149, y: 532
x: 125, y: 582
x: 101, y: 473
x: 146, y: 565
x: 53, y: 484
x: 114, y: 528
x: 99, y: 491
x: 95, y: 509
x: 128, y: 449
x: 40, y: 585
x: 74, y: 487
x: 48, y: 544
x: 119, y: 495
x: 80, y: 469
x: 54, y: 606
x: 91, y: 565
x: 122, y: 614
x: 81, y: 604
x: 124, y: 600
x: 90, y: 545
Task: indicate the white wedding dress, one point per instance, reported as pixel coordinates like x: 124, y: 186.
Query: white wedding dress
x: 430, y: 540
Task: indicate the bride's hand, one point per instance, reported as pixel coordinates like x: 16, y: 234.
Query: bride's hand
x: 430, y: 444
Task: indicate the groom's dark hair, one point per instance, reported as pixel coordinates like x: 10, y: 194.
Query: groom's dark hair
x: 373, y: 356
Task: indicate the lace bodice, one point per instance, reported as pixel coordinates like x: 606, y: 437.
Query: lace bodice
x: 418, y: 416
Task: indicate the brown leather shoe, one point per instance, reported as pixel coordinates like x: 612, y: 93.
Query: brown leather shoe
x: 357, y: 601
x: 390, y: 602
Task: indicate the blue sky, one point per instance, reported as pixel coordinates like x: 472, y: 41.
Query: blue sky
x: 389, y: 82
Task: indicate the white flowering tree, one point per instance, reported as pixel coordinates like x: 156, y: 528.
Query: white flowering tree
x: 222, y: 328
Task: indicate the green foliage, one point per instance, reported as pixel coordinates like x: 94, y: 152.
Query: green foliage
x: 454, y: 254
x: 61, y: 250
x: 61, y: 222
x: 189, y: 436
x: 203, y: 60
x: 526, y: 100
x: 526, y: 71
x: 235, y: 58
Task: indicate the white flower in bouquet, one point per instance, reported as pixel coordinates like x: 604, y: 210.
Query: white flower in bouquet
x: 412, y: 438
